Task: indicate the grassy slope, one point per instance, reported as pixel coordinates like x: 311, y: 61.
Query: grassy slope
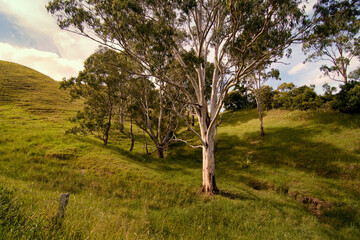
x: 31, y: 90
x: 301, y: 181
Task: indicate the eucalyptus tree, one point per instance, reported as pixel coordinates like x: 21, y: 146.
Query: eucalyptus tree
x: 101, y: 84
x: 191, y: 33
x: 155, y: 112
x: 256, y: 84
x: 335, y: 38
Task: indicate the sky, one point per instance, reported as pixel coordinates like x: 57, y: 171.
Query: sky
x: 30, y: 36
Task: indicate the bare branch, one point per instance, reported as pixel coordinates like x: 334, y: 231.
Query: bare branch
x: 184, y: 141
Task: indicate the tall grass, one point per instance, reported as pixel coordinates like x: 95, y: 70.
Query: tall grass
x: 299, y: 181
x: 143, y: 197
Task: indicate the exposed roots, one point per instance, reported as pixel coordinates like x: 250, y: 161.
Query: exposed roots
x: 209, y: 192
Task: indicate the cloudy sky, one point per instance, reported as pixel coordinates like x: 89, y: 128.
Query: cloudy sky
x: 30, y: 36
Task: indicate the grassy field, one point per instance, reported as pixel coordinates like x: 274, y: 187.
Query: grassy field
x: 300, y: 181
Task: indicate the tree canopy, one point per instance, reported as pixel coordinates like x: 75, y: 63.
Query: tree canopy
x: 234, y: 37
x: 335, y: 38
x: 100, y: 84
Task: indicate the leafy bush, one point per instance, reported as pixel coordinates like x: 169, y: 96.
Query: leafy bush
x: 348, y: 99
x: 239, y: 99
x: 304, y: 98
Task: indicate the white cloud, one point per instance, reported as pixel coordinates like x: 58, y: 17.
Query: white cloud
x: 309, y: 6
x: 33, y: 17
x: 48, y: 63
x: 318, y: 79
x: 297, y: 68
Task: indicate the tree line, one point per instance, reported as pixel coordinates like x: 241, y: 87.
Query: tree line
x: 289, y: 97
x: 166, y: 59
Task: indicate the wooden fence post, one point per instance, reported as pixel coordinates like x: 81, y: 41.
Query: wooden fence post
x: 64, y: 200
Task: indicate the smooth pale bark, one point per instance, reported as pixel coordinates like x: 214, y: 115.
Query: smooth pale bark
x: 208, y: 152
x: 208, y: 170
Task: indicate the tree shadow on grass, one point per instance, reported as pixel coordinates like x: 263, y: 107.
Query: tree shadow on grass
x: 185, y: 159
x: 292, y: 148
x: 285, y: 148
x: 237, y: 117
x: 237, y: 195
x: 289, y: 147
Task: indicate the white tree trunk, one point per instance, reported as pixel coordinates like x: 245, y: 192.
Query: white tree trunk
x: 208, y: 154
x: 258, y: 103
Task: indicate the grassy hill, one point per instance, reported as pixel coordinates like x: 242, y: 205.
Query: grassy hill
x: 25, y: 87
x: 300, y: 181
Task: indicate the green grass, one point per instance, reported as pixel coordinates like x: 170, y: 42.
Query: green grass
x: 32, y: 90
x: 300, y: 181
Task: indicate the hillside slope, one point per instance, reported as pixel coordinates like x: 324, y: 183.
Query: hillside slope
x: 300, y: 181
x: 33, y: 90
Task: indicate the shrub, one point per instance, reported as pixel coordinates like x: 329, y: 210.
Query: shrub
x: 348, y: 99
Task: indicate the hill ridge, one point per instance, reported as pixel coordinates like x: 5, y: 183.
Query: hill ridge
x: 26, y: 87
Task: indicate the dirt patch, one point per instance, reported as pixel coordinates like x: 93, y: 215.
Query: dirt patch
x: 313, y: 204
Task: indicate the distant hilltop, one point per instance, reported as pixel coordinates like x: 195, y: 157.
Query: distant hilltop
x: 31, y: 89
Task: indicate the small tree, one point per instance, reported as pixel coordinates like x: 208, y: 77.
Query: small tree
x: 100, y: 84
x: 283, y: 96
x: 335, y: 38
x: 256, y: 84
x: 155, y: 113
x: 328, y: 94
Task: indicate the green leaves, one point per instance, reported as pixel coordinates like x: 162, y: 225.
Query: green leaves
x: 348, y: 99
x: 267, y: 27
x: 101, y: 84
x: 335, y: 37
